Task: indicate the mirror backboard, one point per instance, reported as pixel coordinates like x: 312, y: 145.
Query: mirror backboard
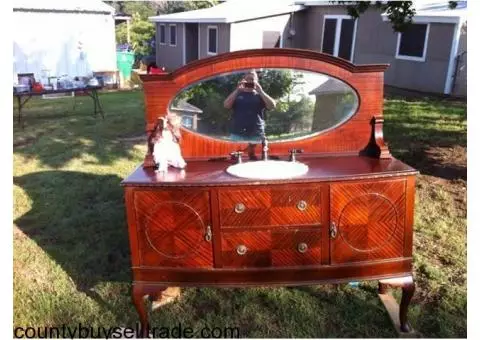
x: 276, y: 103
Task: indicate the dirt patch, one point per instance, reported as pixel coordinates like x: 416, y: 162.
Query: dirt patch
x: 446, y: 166
x: 449, y: 163
x: 456, y: 188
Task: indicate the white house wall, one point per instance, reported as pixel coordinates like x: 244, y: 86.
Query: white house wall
x: 63, y: 43
x: 249, y: 34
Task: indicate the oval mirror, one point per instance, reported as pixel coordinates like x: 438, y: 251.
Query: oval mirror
x: 279, y: 104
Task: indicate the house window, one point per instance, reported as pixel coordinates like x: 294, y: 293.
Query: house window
x: 162, y: 34
x: 412, y: 43
x: 212, y: 38
x: 173, y: 35
x: 339, y: 36
x: 187, y: 121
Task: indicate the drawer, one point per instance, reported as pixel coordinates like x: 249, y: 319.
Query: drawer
x: 270, y: 207
x: 271, y: 248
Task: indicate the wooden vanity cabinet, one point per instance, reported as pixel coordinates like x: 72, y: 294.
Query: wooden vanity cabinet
x: 349, y: 218
x: 258, y: 226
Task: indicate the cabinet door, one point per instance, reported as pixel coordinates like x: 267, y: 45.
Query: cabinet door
x: 174, y: 228
x: 367, y: 221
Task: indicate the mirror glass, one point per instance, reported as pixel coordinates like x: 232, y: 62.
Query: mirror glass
x: 276, y: 104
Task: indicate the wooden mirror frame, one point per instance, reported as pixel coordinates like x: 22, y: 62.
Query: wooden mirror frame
x: 361, y: 134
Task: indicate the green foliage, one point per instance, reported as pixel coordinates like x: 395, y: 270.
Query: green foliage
x: 209, y: 96
x: 142, y: 31
x: 290, y: 118
x: 279, y: 83
x: 144, y: 9
x: 182, y: 6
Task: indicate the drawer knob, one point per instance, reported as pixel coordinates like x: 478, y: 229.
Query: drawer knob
x: 302, y: 205
x: 302, y: 247
x: 239, y: 208
x: 241, y: 250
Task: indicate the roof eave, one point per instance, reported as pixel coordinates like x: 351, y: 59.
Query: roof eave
x: 190, y: 20
x: 220, y: 20
x: 52, y: 10
x: 425, y: 19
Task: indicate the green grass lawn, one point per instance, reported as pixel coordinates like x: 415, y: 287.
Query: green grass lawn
x: 71, y: 254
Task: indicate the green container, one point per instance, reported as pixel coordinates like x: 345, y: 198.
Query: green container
x: 125, y: 62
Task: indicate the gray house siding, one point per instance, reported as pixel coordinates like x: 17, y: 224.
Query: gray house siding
x: 223, y: 39
x: 250, y: 32
x: 460, y: 84
x: 296, y: 22
x: 314, y: 24
x: 170, y: 57
x: 376, y: 42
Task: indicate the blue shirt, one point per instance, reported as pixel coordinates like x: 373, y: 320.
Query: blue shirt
x: 248, y: 114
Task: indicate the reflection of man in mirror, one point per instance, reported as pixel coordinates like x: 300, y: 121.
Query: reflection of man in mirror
x: 248, y: 102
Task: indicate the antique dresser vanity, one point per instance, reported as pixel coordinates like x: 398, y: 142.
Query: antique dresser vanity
x: 257, y: 219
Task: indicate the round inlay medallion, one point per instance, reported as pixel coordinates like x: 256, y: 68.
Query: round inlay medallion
x: 174, y: 230
x: 368, y: 222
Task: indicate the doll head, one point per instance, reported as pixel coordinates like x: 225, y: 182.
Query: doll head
x: 173, y: 122
x: 170, y: 122
x: 159, y: 127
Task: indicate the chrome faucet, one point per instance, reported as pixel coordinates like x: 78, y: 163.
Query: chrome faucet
x: 264, y: 148
x: 293, y: 152
x: 237, y: 156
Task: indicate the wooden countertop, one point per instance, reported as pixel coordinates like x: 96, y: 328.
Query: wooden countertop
x: 212, y: 172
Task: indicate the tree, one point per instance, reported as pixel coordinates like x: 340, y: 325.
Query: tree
x: 290, y: 118
x: 399, y: 13
x: 142, y: 34
x: 165, y: 7
x: 142, y: 31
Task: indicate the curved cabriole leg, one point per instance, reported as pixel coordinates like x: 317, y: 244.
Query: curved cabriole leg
x: 398, y: 313
x: 408, y: 288
x: 138, y: 292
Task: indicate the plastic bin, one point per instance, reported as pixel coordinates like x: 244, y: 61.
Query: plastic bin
x: 125, y: 62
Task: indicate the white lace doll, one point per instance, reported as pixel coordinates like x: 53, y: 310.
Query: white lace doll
x: 166, y: 149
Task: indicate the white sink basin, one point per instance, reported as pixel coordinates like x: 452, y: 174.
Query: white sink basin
x: 268, y: 169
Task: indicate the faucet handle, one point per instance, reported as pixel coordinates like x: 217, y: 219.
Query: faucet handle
x: 237, y: 155
x: 293, y: 152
